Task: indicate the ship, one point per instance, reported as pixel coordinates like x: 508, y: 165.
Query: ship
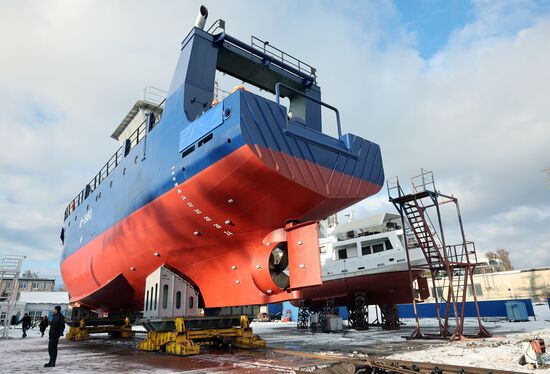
x: 367, y: 257
x: 227, y: 194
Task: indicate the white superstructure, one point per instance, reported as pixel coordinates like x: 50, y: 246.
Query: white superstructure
x: 367, y: 246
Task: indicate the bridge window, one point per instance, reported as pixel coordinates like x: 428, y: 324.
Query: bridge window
x: 347, y: 251
x: 388, y: 245
x: 342, y: 254
x: 191, y: 301
x: 377, y: 248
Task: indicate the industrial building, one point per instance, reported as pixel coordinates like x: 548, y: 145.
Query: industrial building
x: 35, y: 304
x: 531, y: 284
x: 28, y: 281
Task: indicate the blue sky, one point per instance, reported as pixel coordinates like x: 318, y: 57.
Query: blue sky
x: 466, y: 81
x: 432, y: 21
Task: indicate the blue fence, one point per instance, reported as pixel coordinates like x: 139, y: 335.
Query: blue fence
x: 487, y: 308
x: 292, y: 311
x: 275, y: 309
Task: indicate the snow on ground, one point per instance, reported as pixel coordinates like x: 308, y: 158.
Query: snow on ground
x: 29, y: 355
x: 502, y: 351
x: 105, y: 355
x: 102, y: 354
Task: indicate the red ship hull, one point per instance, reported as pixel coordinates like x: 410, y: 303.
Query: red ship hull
x: 176, y: 230
x: 381, y: 289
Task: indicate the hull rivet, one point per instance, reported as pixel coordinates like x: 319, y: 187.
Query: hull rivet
x: 227, y: 222
x: 269, y: 291
x: 237, y: 281
x: 156, y: 254
x: 196, y: 233
x: 233, y: 267
x: 302, y: 266
x: 230, y: 201
x: 300, y: 242
x: 258, y: 266
x: 133, y: 268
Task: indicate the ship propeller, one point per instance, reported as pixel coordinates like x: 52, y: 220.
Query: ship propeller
x: 278, y: 263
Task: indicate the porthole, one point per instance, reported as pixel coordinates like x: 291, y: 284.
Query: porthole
x: 124, y: 171
x: 75, y: 218
x: 88, y: 207
x: 96, y: 197
x: 183, y: 168
x: 69, y: 224
x: 99, y: 196
x: 135, y: 160
x: 226, y: 113
x: 228, y: 140
x: 111, y: 184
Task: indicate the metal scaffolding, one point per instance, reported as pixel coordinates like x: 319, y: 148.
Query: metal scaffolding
x: 10, y: 267
x: 454, y: 264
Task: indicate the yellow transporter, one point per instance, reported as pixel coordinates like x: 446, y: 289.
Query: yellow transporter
x: 183, y: 336
x: 163, y: 318
x: 171, y: 318
x: 84, y: 322
x: 82, y: 332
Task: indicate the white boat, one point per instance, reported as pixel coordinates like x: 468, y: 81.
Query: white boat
x: 367, y: 257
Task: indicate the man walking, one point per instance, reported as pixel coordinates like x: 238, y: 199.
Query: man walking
x: 44, y: 322
x: 25, y: 324
x: 57, y: 326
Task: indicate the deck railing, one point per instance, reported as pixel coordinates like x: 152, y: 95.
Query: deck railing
x: 284, y: 57
x: 133, y: 140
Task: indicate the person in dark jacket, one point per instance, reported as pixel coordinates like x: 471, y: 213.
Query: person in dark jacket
x: 57, y: 326
x: 25, y: 324
x: 43, y: 324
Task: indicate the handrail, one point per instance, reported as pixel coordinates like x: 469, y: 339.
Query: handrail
x: 267, y: 48
x: 278, y: 86
x: 135, y: 138
x: 218, y: 24
x: 309, y: 79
